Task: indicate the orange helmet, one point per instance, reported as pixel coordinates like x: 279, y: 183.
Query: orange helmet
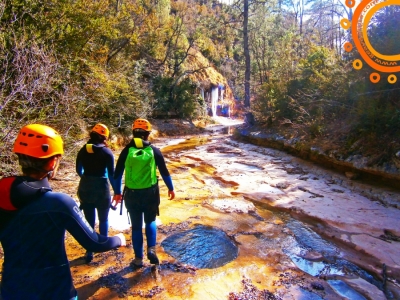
x: 38, y: 141
x: 101, y: 129
x: 141, y: 124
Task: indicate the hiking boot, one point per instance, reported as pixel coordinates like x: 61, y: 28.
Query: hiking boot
x: 152, y: 256
x: 88, y: 257
x: 137, y: 262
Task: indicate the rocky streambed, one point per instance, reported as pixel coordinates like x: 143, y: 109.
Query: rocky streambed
x: 276, y: 227
x: 301, y: 231
x: 374, y: 167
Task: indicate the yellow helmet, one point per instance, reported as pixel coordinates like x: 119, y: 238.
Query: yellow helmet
x: 141, y: 124
x: 101, y: 129
x: 38, y: 141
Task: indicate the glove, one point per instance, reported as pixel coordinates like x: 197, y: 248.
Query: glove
x: 122, y: 238
x: 115, y: 201
x: 171, y: 195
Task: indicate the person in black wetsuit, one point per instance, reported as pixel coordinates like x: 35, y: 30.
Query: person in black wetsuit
x: 139, y: 159
x: 95, y: 167
x: 33, y: 221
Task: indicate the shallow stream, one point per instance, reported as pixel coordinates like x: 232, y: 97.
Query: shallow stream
x: 232, y: 246
x: 224, y: 237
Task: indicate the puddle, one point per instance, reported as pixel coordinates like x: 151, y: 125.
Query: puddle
x: 203, y: 247
x: 314, y: 268
x: 308, y: 239
x: 302, y: 294
x: 345, y: 290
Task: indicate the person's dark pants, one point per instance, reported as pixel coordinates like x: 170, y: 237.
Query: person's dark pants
x: 143, y: 204
x: 89, y: 209
x: 94, y: 193
x: 137, y: 235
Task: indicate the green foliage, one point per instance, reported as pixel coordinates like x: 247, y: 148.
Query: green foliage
x: 377, y: 113
x: 315, y: 91
x: 384, y: 30
x: 271, y: 103
x: 321, y: 86
x: 71, y: 64
x: 179, y: 99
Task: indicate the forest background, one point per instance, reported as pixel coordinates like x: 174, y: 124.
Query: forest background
x: 71, y: 64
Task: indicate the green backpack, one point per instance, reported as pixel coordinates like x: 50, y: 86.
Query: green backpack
x: 140, y: 167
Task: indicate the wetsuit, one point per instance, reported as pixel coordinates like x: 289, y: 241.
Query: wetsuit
x: 142, y: 202
x: 95, y: 166
x: 35, y: 262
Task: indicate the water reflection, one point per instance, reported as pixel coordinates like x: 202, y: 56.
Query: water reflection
x: 315, y: 268
x: 345, y: 290
x: 319, y: 258
x: 308, y: 239
x: 302, y: 294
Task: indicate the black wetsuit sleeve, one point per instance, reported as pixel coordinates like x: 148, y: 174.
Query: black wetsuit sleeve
x: 79, y: 165
x: 120, y: 167
x: 110, y: 166
x: 160, y: 162
x: 75, y: 223
x: 162, y: 167
x: 119, y: 170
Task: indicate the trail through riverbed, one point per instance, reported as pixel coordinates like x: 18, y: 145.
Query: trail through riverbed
x: 251, y: 223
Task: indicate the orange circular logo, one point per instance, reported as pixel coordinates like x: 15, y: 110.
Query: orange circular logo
x: 358, y: 26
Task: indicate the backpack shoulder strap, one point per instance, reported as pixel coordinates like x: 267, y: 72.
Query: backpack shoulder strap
x: 89, y: 147
x: 138, y: 143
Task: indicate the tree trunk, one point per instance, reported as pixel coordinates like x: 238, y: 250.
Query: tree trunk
x: 246, y: 54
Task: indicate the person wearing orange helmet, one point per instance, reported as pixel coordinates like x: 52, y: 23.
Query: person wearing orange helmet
x: 95, y: 167
x: 139, y: 159
x: 33, y: 221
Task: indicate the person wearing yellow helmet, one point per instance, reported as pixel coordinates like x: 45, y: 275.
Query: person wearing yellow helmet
x: 139, y: 160
x: 95, y: 167
x: 33, y: 221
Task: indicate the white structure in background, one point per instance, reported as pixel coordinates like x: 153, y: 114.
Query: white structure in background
x: 212, y: 95
x: 214, y: 100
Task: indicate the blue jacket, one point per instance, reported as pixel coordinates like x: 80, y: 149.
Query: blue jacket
x: 98, y: 163
x: 35, y: 262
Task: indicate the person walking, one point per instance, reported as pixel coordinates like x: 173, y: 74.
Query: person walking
x: 140, y: 160
x: 34, y: 220
x: 95, y: 167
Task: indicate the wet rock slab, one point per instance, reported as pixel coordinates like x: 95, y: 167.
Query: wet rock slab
x: 201, y: 247
x: 366, y: 288
x: 232, y: 205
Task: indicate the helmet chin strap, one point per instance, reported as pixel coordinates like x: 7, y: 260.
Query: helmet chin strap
x: 50, y: 173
